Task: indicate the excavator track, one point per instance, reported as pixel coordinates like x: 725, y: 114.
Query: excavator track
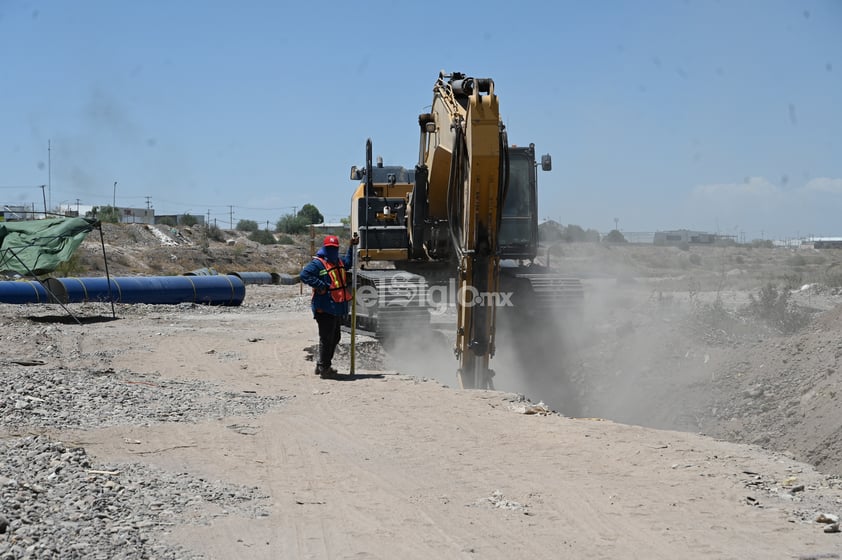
x: 543, y: 291
x: 391, y: 304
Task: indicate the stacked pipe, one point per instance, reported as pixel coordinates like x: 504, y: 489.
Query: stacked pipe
x: 208, y: 290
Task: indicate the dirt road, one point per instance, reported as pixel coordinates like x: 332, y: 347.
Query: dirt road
x: 385, y: 465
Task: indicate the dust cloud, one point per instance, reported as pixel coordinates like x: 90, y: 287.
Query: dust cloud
x: 650, y: 347
x: 625, y: 357
x: 423, y: 353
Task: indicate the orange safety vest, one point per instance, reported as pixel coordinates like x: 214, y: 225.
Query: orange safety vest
x: 339, y: 291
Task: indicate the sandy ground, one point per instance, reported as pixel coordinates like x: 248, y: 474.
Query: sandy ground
x: 389, y: 465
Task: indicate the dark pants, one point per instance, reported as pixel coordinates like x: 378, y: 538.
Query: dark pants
x: 329, y: 334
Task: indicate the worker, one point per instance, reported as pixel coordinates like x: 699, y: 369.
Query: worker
x: 331, y: 296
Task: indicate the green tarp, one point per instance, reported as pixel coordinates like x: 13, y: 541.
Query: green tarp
x: 39, y: 246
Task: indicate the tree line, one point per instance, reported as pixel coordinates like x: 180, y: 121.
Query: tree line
x: 299, y: 222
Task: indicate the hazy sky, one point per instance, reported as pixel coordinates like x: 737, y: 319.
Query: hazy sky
x: 712, y: 115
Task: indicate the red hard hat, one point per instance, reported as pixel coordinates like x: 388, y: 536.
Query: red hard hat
x: 331, y: 241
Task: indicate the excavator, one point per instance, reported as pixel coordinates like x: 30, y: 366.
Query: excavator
x: 463, y: 225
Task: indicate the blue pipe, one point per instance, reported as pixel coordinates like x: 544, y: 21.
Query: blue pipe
x: 287, y: 279
x: 164, y: 290
x: 254, y: 277
x: 12, y: 291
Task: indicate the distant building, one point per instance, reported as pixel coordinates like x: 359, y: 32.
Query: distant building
x: 18, y: 213
x: 137, y: 215
x: 177, y: 219
x: 676, y: 237
x: 75, y: 210
x: 827, y: 242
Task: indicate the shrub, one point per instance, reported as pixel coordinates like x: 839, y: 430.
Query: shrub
x: 773, y: 307
x: 263, y: 237
x: 614, y: 236
x: 796, y: 260
x: 695, y: 259
x: 714, y: 322
x: 573, y: 233
x: 247, y: 225
x: 292, y: 224
x: 832, y: 276
x: 793, y: 280
x: 216, y: 234
x: 310, y: 215
x: 285, y: 240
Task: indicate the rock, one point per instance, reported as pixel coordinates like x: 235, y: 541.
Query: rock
x: 827, y: 518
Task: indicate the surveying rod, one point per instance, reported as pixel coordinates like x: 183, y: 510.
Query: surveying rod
x: 356, y: 254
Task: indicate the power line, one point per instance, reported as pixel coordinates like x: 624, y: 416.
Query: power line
x: 264, y: 208
x: 229, y: 208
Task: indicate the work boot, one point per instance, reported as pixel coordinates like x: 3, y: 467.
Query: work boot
x: 329, y: 373
x: 325, y: 372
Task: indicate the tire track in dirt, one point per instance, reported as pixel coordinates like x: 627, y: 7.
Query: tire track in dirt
x: 336, y: 467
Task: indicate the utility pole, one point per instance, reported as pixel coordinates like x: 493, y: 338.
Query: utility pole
x: 45, y: 199
x: 77, y: 206
x: 231, y: 217
x: 114, y: 199
x: 148, y: 202
x: 50, y: 171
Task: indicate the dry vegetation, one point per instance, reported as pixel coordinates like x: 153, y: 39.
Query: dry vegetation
x: 135, y: 249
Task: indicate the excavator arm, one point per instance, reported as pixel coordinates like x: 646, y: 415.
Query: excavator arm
x: 464, y: 155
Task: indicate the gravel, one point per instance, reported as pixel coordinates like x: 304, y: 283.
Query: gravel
x: 37, y: 397
x: 57, y: 503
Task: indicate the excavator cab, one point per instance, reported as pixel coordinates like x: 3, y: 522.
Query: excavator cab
x: 519, y: 221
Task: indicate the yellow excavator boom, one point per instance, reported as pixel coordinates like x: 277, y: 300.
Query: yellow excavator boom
x: 462, y: 146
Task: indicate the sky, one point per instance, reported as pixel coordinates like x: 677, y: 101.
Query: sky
x: 719, y: 116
